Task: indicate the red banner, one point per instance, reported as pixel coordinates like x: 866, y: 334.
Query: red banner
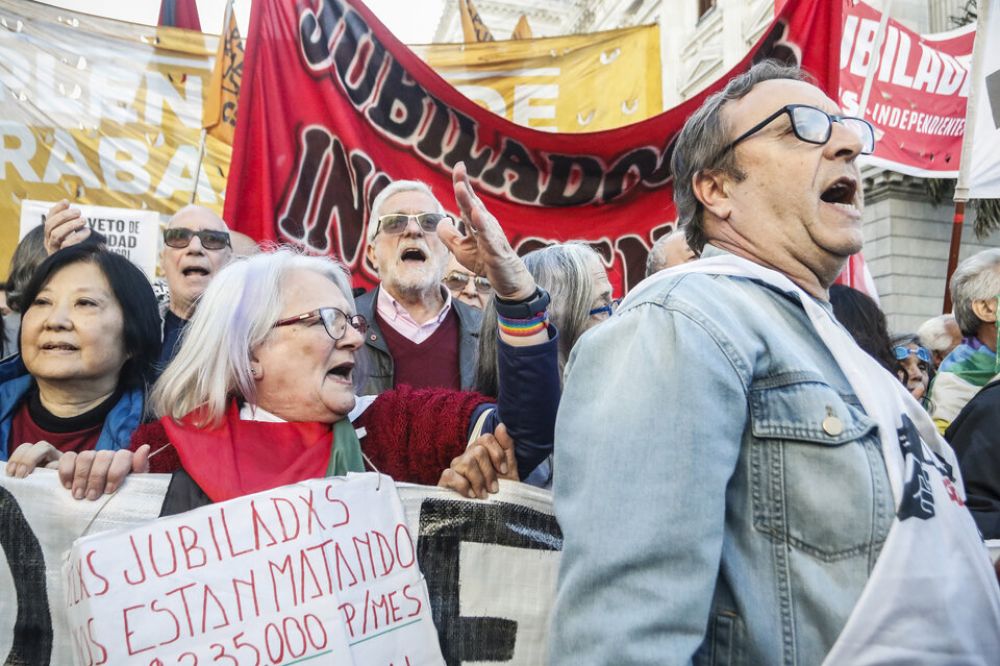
x: 333, y: 107
x: 918, y: 95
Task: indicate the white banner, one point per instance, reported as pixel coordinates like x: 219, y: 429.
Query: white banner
x: 983, y: 119
x: 134, y: 234
x: 489, y: 568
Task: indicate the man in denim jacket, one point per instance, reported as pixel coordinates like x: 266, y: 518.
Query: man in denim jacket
x: 728, y: 505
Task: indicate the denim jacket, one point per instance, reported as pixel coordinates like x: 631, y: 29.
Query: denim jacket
x: 15, y: 382
x: 728, y: 505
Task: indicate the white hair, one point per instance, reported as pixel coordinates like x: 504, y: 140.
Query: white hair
x: 195, y: 208
x: 977, y: 278
x: 934, y: 334
x: 396, y: 187
x: 234, y: 316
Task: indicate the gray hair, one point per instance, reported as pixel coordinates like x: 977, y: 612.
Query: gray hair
x: 655, y: 261
x: 701, y: 145
x: 934, y: 334
x: 235, y: 315
x: 396, y: 187
x: 196, y: 208
x: 28, y: 255
x: 565, y: 271
x: 977, y: 278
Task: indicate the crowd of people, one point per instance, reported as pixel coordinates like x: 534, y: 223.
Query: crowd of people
x: 795, y: 497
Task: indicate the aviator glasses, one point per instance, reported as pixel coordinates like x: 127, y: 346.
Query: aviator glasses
x: 395, y: 223
x: 457, y: 281
x: 179, y: 238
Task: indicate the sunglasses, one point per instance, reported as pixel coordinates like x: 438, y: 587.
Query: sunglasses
x: 813, y: 125
x: 456, y: 281
x: 396, y: 223
x: 606, y: 310
x: 334, y: 321
x: 180, y: 238
x: 920, y: 352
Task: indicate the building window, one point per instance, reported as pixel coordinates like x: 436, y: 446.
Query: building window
x: 704, y: 6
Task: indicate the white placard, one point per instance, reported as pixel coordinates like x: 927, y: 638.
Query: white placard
x: 325, y: 570
x: 133, y: 234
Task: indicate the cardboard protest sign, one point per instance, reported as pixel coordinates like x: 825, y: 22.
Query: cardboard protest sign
x: 323, y: 569
x: 134, y: 234
x: 489, y: 568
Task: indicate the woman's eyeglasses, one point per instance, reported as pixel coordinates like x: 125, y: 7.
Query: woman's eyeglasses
x: 606, y: 310
x: 920, y: 352
x: 334, y: 321
x: 395, y: 223
x: 180, y: 238
x: 456, y: 281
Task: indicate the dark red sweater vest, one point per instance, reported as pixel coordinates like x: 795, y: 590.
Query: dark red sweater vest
x: 432, y: 363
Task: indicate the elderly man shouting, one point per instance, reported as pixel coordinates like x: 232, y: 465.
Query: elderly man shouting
x: 785, y: 500
x: 417, y: 333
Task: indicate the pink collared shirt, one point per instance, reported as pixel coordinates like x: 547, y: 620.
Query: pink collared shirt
x: 395, y: 315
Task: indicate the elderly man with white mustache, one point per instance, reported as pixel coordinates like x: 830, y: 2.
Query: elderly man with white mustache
x: 417, y: 333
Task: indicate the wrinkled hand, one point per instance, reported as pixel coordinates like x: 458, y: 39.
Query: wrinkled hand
x: 485, y: 251
x: 475, y: 472
x: 27, y: 457
x: 91, y: 474
x: 64, y: 226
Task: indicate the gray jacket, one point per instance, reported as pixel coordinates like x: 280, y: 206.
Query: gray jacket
x: 380, y: 370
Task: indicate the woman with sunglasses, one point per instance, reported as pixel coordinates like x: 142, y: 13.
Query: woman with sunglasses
x: 913, y: 365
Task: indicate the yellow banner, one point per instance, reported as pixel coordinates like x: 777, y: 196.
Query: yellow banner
x: 224, y: 86
x: 582, y: 83
x: 101, y: 112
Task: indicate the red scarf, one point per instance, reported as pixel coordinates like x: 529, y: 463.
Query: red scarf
x: 243, y: 457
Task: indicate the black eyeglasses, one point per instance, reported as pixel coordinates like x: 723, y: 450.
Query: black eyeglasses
x: 395, y: 223
x: 457, y: 281
x: 813, y: 125
x: 180, y: 238
x: 334, y: 321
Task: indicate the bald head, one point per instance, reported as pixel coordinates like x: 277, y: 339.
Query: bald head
x: 669, y: 251
x: 189, y: 269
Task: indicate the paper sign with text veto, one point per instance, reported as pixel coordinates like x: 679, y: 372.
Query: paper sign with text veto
x: 134, y: 234
x: 325, y: 570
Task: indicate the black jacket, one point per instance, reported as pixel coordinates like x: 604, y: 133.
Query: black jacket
x: 975, y: 436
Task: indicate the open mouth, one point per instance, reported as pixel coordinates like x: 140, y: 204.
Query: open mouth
x: 194, y: 270
x: 413, y: 254
x: 841, y: 191
x: 342, y: 372
x: 59, y: 346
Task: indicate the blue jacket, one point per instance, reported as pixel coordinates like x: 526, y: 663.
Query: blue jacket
x: 710, y: 511
x: 15, y: 382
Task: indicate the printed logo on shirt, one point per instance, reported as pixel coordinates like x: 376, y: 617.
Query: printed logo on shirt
x: 918, y: 496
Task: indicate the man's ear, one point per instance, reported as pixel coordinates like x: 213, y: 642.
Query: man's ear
x: 985, y: 309
x: 370, y: 253
x: 710, y: 187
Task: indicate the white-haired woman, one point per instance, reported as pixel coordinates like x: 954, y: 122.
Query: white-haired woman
x: 261, y: 393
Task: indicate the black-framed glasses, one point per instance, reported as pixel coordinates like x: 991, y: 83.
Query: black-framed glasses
x: 180, y: 238
x: 921, y: 353
x: 813, y: 125
x: 606, y: 310
x: 395, y: 223
x: 457, y: 281
x: 335, y: 321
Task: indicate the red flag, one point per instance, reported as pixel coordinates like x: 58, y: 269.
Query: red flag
x: 179, y: 14
x: 333, y: 107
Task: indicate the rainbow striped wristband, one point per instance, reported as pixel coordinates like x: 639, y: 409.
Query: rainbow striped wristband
x: 522, y: 328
